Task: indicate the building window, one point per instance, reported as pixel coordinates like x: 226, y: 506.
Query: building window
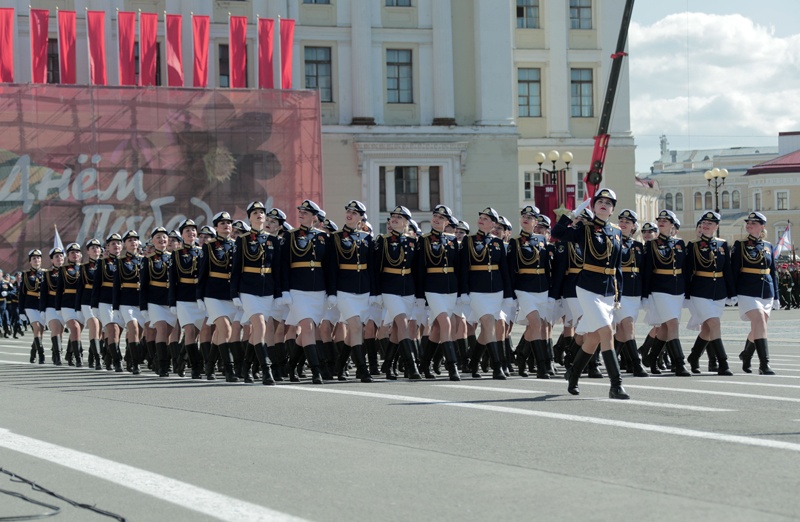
x: 527, y: 14
x: 529, y: 91
x: 527, y: 185
x: 679, y: 202
x: 398, y: 3
x: 735, y: 199
x: 757, y: 201
x: 406, y: 187
x: 726, y: 200
x: 581, y: 187
x: 53, y: 65
x: 435, y: 190
x: 698, y: 201
x: 581, y: 88
x: 319, y: 72
x: 318, y: 2
x: 782, y: 200
x: 136, y: 63
x: 399, y: 84
x: 224, y: 67
x: 580, y: 14
x: 709, y: 201
x: 668, y: 202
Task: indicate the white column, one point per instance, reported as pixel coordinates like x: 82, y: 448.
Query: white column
x: 557, y: 73
x: 443, y: 97
x: 390, y: 195
x: 424, y: 187
x: 361, y: 37
x: 494, y: 63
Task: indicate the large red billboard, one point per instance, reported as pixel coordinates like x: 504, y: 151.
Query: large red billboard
x: 97, y: 160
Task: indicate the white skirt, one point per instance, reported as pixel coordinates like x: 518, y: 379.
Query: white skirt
x: 395, y: 305
x: 486, y: 304
x: 598, y: 310
x: 440, y: 304
x: 664, y: 307
x: 306, y: 305
x: 353, y: 305
x: 530, y: 302
x: 572, y: 311
x: 189, y: 312
x: 628, y: 307
x: 51, y: 314
x: 34, y: 316
x: 107, y: 315
x: 332, y: 315
x: 556, y: 311
x: 255, y: 305
x: 217, y: 308
x: 161, y: 313
x: 70, y: 314
x: 747, y: 303
x: 88, y: 312
x: 702, y: 310
x: 374, y: 314
x: 419, y: 313
x: 130, y: 313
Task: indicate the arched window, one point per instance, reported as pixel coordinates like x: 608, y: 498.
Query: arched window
x: 726, y: 199
x: 679, y: 202
x: 709, y: 203
x: 735, y: 199
x: 698, y: 201
x: 668, y: 202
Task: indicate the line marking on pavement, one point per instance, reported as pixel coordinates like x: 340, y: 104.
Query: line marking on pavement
x: 631, y: 402
x: 667, y: 430
x: 184, y: 495
x: 781, y: 363
x: 765, y: 384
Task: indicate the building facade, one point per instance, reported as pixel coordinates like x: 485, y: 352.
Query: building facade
x: 423, y: 101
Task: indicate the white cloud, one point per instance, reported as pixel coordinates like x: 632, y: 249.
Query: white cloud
x: 718, y: 80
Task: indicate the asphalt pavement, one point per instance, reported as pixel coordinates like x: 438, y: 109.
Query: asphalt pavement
x: 141, y: 447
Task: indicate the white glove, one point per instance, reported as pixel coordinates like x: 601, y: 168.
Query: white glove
x: 173, y: 310
x: 4, y: 293
x: 331, y: 301
x: 376, y: 300
x: 465, y: 299
x: 580, y: 208
x: 146, y: 315
x: 732, y: 301
x: 237, y: 302
x: 287, y: 298
x: 776, y: 304
x: 201, y: 305
x: 420, y: 303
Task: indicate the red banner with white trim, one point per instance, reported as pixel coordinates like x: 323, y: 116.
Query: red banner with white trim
x: 148, y: 48
x: 237, y: 52
x: 126, y: 25
x: 67, y: 23
x: 287, y: 42
x: 174, y: 51
x: 266, y: 49
x: 40, y: 20
x: 200, y: 28
x: 96, y: 29
x: 6, y: 45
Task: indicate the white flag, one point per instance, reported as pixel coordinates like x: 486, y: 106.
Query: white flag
x: 57, y: 240
x: 784, y: 243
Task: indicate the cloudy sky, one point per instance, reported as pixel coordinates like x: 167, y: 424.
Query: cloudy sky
x: 713, y: 73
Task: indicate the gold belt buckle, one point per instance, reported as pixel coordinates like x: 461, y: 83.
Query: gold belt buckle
x: 358, y: 267
x: 311, y: 264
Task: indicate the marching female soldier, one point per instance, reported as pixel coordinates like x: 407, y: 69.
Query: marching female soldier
x: 156, y: 299
x: 756, y: 288
x: 349, y: 285
x: 303, y: 282
x: 394, y: 285
x: 663, y: 285
x: 84, y: 300
x: 29, y: 302
x: 126, y: 299
x: 632, y: 253
x: 49, y: 304
x: 103, y: 301
x: 68, y: 285
x: 485, y: 287
x: 436, y: 281
x: 709, y: 284
x: 183, y: 292
x: 529, y: 271
x: 598, y: 288
x: 255, y: 284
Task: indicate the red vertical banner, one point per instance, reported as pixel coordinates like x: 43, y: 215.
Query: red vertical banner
x: 40, y: 19
x: 7, y: 45
x: 174, y: 51
x: 66, y: 46
x: 126, y: 25
x: 237, y: 52
x: 148, y: 48
x: 266, y: 49
x: 287, y: 42
x: 200, y: 28
x: 96, y: 27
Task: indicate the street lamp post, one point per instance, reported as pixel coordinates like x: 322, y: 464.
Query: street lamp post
x: 558, y: 177
x: 718, y: 177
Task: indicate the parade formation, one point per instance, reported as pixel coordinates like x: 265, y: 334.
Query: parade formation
x: 262, y: 300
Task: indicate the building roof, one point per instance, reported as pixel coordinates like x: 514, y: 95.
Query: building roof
x: 788, y: 163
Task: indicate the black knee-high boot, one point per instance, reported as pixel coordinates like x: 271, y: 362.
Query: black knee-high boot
x: 408, y: 348
x: 163, y: 355
x: 341, y: 361
x: 295, y: 359
x: 523, y: 352
x: 747, y: 356
x: 762, y: 350
x: 136, y: 357
x: 573, y: 373
x: 209, y: 360
x: 262, y: 353
x: 69, y: 353
x: 116, y: 356
x: 495, y: 350
x: 360, y: 358
x: 612, y: 368
x: 676, y: 354
x: 428, y: 350
x: 372, y: 355
x: 475, y: 359
x: 39, y: 349
x: 451, y: 360
x: 540, y: 352
x: 313, y: 361
x: 78, y: 351
x: 697, y: 351
x: 634, y: 363
x: 227, y: 362
x: 462, y: 354
x: 593, y: 368
x: 718, y: 348
x: 196, y: 359
x: 646, y: 350
x: 56, y: 340
x: 388, y: 362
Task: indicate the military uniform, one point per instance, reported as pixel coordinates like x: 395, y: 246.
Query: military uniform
x: 49, y: 304
x: 183, y: 280
x: 83, y: 299
x: 30, y: 292
x: 631, y: 261
x: 68, y: 287
x: 103, y: 301
x: 158, y: 302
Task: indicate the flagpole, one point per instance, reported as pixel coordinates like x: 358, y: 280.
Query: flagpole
x: 58, y: 43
